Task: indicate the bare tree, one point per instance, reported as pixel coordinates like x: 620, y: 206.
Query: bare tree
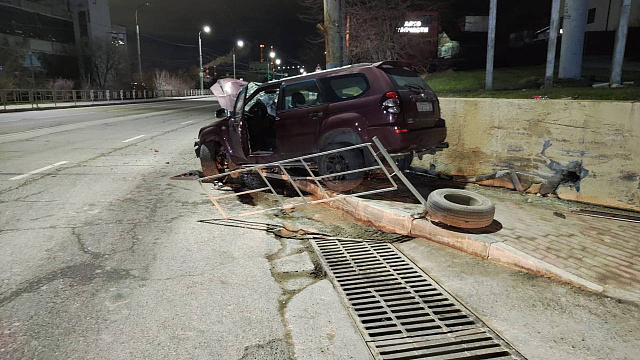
x: 373, y: 31
x: 164, y: 80
x: 107, y: 62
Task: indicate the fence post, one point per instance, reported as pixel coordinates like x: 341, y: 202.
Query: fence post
x: 145, y: 93
x: 3, y: 95
x: 108, y: 95
x: 55, y: 103
x: 134, y: 94
x: 91, y: 95
x: 121, y: 94
x: 73, y: 94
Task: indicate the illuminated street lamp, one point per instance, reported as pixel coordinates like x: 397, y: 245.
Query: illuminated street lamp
x: 207, y: 30
x: 271, y: 55
x: 239, y: 44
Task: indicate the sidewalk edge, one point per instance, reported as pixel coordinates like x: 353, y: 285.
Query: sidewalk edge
x: 497, y: 252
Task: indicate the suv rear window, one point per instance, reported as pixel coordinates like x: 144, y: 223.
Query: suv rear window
x: 402, y: 77
x: 346, y: 87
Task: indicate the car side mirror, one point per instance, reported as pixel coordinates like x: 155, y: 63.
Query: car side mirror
x: 222, y: 113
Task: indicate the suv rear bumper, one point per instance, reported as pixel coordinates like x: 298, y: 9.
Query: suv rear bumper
x: 413, y: 140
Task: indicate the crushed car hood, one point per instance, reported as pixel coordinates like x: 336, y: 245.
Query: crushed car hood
x: 226, y: 91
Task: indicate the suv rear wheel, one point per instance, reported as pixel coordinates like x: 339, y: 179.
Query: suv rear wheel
x: 339, y: 162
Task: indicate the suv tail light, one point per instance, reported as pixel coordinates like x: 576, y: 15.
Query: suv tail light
x: 391, y: 102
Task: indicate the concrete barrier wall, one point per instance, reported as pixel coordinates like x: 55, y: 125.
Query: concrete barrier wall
x: 594, y: 146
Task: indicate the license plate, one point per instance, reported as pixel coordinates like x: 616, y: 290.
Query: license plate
x: 425, y: 106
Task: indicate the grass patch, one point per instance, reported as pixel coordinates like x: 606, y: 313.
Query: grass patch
x: 525, y: 82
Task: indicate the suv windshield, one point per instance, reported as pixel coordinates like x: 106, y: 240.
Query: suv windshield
x: 405, y: 78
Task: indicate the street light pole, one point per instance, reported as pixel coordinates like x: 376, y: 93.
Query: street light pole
x: 138, y: 38
x: 240, y: 43
x: 206, y: 29
x: 201, y: 74
x: 271, y: 55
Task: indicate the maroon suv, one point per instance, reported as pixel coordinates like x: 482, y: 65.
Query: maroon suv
x: 325, y: 110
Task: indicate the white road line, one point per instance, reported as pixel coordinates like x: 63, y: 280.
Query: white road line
x: 133, y: 138
x: 38, y: 170
x: 186, y: 122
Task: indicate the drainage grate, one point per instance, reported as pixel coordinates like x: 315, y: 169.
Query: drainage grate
x: 401, y: 312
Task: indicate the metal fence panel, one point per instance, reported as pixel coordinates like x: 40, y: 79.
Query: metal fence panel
x: 303, y: 162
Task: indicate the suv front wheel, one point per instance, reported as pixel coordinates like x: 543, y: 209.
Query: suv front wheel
x: 212, y: 158
x: 339, y: 162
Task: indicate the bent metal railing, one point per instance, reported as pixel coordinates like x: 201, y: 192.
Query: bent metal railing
x: 297, y: 181
x: 39, y: 97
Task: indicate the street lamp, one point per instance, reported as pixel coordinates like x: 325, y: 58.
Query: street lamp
x: 138, y: 37
x: 271, y: 55
x: 206, y: 29
x: 240, y: 44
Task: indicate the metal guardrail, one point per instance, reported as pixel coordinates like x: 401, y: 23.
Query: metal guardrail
x: 304, y: 162
x: 38, y: 97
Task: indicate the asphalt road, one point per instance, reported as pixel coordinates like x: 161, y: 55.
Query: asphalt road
x: 103, y: 257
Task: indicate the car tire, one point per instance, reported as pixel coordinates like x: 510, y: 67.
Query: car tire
x: 460, y: 208
x: 340, y: 162
x: 212, y: 158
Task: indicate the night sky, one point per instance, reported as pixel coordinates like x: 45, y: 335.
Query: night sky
x: 269, y: 22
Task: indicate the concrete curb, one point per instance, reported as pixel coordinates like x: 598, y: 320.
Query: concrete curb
x: 386, y: 219
x: 8, y: 111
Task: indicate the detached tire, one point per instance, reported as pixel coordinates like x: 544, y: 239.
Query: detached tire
x: 460, y: 208
x: 340, y: 162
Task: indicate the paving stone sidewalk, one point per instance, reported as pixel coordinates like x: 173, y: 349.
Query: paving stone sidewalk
x: 539, y: 234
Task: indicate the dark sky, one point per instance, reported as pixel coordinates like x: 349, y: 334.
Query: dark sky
x: 269, y: 22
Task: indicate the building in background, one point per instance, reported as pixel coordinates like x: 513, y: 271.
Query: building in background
x: 60, y: 33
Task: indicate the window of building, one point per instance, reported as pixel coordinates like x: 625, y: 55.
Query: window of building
x: 591, y: 17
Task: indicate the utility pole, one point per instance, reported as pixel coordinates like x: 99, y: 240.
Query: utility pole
x: 554, y: 28
x: 138, y: 39
x: 621, y: 40
x: 574, y: 25
x: 333, y: 13
x: 491, y: 45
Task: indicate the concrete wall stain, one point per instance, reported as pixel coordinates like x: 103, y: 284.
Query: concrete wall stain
x: 595, y: 145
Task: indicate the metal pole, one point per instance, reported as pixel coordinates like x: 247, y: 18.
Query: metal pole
x: 574, y: 24
x: 200, y: 48
x: 491, y: 45
x: 554, y: 28
x: 138, y: 38
x: 234, y: 61
x: 621, y: 40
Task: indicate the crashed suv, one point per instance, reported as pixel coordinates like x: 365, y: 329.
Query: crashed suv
x: 321, y: 111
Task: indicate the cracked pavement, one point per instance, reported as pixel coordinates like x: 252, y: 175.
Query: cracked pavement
x: 104, y: 257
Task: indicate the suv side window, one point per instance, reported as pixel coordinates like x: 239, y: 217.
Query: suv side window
x: 302, y: 94
x: 346, y: 87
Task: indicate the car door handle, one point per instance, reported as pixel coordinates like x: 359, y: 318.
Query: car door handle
x: 315, y: 115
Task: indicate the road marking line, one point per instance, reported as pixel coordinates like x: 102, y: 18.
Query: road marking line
x: 186, y: 122
x: 38, y: 170
x: 133, y: 138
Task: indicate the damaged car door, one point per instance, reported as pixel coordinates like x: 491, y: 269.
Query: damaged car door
x: 238, y: 137
x: 301, y: 111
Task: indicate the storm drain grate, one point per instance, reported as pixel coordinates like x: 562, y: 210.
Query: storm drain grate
x: 401, y: 312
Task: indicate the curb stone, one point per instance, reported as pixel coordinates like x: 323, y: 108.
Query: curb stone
x: 387, y: 220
